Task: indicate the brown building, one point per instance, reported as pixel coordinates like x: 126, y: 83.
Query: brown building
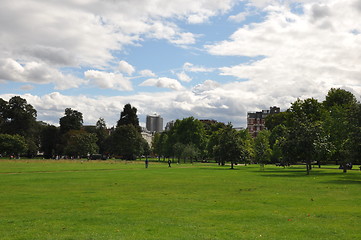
x: 256, y: 120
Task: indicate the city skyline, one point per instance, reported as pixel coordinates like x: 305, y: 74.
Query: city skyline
x: 207, y: 59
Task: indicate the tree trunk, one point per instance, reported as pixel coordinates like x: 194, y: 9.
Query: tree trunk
x: 344, y: 167
x: 232, y: 165
x: 308, y: 168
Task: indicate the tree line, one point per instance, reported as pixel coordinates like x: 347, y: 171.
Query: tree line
x: 309, y: 132
x: 22, y: 134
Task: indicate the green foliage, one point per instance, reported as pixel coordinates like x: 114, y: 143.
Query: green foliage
x: 125, y: 142
x: 189, y: 131
x: 273, y: 120
x: 102, y: 133
x: 339, y: 97
x: 262, y: 149
x: 247, y: 150
x: 12, y: 144
x: 80, y: 143
x: 228, y: 148
x: 49, y: 140
x: 129, y: 117
x: 190, y: 152
x: 73, y: 120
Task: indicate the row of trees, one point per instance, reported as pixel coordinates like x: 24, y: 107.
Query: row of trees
x: 309, y: 131
x: 21, y: 133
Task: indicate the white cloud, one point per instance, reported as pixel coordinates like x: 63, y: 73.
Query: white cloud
x: 298, y: 55
x: 240, y: 17
x: 37, y: 72
x: 182, y: 76
x: 147, y: 73
x: 109, y: 80
x: 163, y: 82
x: 126, y: 67
x: 189, y: 67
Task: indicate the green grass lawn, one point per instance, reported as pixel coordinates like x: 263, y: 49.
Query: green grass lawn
x: 123, y: 200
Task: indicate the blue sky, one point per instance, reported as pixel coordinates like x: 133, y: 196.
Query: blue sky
x: 207, y: 58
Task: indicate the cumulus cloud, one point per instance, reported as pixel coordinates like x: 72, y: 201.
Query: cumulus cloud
x: 109, y: 80
x: 37, y: 72
x: 126, y: 67
x: 147, y: 73
x: 163, y: 82
x: 182, y: 76
x: 297, y: 55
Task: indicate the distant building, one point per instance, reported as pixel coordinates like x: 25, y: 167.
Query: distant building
x: 256, y: 120
x: 154, y: 123
x: 169, y: 125
x: 147, y: 135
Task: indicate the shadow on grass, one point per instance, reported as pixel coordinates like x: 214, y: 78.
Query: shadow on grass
x: 221, y: 168
x: 297, y: 172
x: 343, y: 181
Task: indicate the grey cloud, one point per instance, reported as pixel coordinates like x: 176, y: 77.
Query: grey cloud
x: 357, y: 5
x: 52, y: 55
x: 319, y: 12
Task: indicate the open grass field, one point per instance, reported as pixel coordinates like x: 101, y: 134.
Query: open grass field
x: 123, y: 200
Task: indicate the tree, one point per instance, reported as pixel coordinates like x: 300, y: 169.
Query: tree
x: 19, y: 117
x: 262, y: 149
x: 190, y: 152
x: 273, y: 120
x: 102, y: 134
x: 188, y: 131
x: 12, y: 144
x: 339, y: 97
x: 80, y: 143
x: 125, y: 142
x: 301, y: 142
x: 73, y: 120
x: 145, y: 149
x: 48, y: 140
x: 129, y: 117
x: 178, y: 150
x: 246, y: 141
x: 156, y: 144
x: 342, y: 125
x: 228, y: 148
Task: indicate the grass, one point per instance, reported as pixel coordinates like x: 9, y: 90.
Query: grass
x: 123, y: 200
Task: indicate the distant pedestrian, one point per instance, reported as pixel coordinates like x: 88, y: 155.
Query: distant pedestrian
x: 169, y: 162
x: 146, y: 163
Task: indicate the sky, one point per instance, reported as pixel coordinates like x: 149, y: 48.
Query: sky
x: 209, y: 59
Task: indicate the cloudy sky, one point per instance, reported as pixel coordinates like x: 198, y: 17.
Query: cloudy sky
x: 178, y: 58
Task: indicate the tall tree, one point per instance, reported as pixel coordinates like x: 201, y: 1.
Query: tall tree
x: 129, y: 116
x: 189, y: 131
x: 126, y: 142
x: 19, y: 117
x: 49, y: 140
x: 342, y: 125
x: 73, y: 120
x: 102, y: 134
x: 228, y: 148
x: 262, y: 149
x: 339, y: 97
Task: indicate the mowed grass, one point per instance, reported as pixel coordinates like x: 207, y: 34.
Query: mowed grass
x: 123, y: 200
